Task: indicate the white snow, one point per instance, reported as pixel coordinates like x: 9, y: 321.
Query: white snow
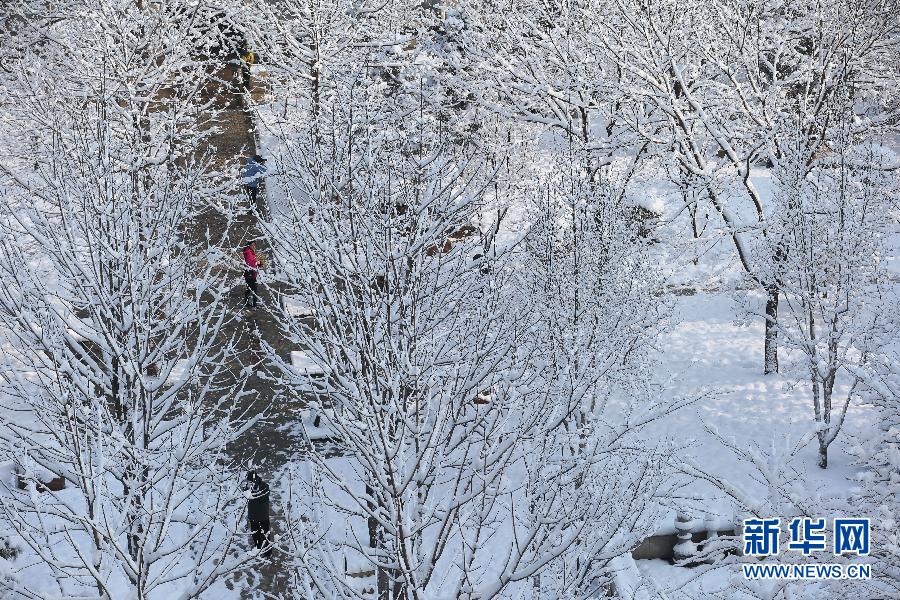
x: 295, y: 307
x: 303, y: 364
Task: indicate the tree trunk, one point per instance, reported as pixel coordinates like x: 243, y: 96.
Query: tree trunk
x: 823, y: 453
x: 383, y: 577
x: 372, y: 524
x: 770, y: 350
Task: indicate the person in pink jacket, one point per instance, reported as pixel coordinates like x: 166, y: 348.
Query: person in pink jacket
x: 251, y: 272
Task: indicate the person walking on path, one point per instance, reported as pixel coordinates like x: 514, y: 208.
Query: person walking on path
x: 254, y: 171
x: 257, y: 492
x: 251, y: 273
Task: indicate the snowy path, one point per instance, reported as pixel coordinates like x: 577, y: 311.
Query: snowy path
x: 269, y: 445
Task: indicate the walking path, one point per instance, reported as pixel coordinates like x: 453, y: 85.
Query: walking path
x: 269, y: 445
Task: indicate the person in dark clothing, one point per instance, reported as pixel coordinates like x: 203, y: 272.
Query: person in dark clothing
x: 251, y: 273
x: 257, y: 492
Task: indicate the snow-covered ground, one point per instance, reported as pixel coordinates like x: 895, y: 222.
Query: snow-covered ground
x: 716, y: 358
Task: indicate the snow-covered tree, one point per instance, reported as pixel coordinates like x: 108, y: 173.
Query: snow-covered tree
x: 113, y: 304
x: 740, y: 87
x: 545, y: 67
x: 836, y: 291
x: 486, y: 432
x: 589, y: 271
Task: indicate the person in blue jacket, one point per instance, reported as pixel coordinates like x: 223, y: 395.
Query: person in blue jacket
x: 254, y: 171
